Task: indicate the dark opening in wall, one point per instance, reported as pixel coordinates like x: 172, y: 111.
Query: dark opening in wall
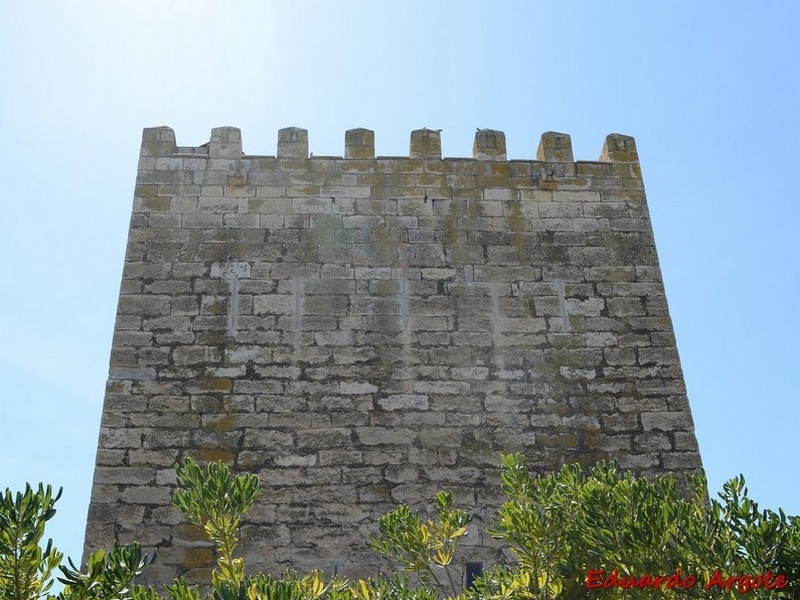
x: 472, y: 571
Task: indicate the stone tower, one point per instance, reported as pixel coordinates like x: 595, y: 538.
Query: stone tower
x: 365, y: 331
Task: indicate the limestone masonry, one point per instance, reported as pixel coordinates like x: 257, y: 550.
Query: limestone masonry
x: 365, y: 331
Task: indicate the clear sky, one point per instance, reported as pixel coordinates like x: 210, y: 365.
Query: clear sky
x: 711, y: 96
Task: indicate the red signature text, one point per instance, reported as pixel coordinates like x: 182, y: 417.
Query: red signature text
x: 745, y: 583
x: 597, y: 579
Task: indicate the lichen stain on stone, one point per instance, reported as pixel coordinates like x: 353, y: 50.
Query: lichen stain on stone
x: 208, y: 455
x: 216, y: 384
x: 115, y: 387
x: 473, y: 208
x: 223, y: 251
x: 567, y: 441
x: 556, y: 255
x: 455, y: 237
x: 220, y: 423
x: 385, y: 242
x: 220, y: 307
x: 625, y: 248
x: 197, y: 557
x: 309, y: 252
x: 385, y: 287
x: 326, y: 227
x: 215, y: 338
x: 381, y: 491
x: 157, y: 204
x: 516, y: 224
x: 189, y: 532
x: 502, y: 168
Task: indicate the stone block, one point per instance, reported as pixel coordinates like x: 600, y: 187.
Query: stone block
x: 226, y: 142
x: 293, y: 143
x: 146, y: 494
x: 158, y: 141
x: 619, y: 148
x: 323, y: 438
x: 359, y: 144
x: 404, y: 402
x: 426, y: 143
x: 666, y: 421
x: 489, y: 145
x: 555, y: 147
x: 379, y: 436
x: 357, y: 388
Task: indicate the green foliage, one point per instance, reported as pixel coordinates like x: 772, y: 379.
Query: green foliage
x: 428, y: 547
x: 396, y: 587
x: 505, y: 583
x: 25, y: 567
x: 108, y: 576
x: 560, y: 526
x: 748, y: 539
x: 563, y: 525
x: 292, y: 586
x: 216, y: 500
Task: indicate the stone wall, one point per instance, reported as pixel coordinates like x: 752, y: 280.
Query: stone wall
x: 365, y: 331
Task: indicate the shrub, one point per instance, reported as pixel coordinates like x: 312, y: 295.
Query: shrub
x: 572, y: 532
x: 25, y: 567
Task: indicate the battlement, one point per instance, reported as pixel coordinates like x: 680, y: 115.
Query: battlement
x: 226, y: 142
x: 223, y: 162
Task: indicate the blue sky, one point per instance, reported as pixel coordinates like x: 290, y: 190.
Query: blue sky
x: 710, y: 95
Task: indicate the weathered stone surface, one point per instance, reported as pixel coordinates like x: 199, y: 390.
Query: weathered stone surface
x: 555, y: 147
x: 363, y: 331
